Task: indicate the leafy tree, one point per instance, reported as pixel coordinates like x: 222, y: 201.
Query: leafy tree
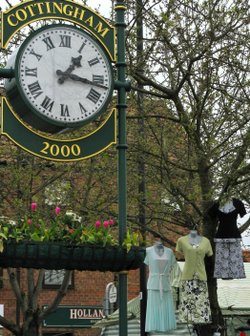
x: 196, y: 80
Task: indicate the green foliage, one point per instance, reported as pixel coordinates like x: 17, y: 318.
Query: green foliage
x: 133, y: 238
x: 66, y: 227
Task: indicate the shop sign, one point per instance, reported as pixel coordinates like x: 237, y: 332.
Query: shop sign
x: 74, y: 317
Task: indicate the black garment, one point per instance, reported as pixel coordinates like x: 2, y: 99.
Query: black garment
x: 228, y: 221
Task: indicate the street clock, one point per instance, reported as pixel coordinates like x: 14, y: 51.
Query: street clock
x: 63, y: 78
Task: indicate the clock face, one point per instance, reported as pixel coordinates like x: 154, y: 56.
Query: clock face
x: 64, y: 75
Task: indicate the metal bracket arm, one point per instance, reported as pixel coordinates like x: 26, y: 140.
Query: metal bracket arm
x: 7, y: 73
x: 120, y: 84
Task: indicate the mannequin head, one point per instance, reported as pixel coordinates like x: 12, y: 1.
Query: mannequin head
x: 226, y: 196
x: 153, y: 237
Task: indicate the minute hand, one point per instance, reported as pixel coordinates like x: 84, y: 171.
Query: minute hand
x: 85, y: 80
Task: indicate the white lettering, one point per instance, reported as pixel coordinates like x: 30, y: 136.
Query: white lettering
x: 73, y: 314
x: 86, y: 313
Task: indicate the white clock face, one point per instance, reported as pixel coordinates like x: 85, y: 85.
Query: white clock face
x: 65, y: 75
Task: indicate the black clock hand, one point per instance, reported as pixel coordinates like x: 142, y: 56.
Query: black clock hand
x: 85, y: 80
x: 76, y: 62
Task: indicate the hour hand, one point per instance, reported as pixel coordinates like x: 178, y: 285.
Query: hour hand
x: 64, y: 75
x: 75, y: 62
x: 85, y: 80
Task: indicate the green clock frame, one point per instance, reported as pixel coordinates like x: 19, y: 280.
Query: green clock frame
x: 80, y: 94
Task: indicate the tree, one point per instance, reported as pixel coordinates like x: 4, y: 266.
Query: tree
x: 33, y: 314
x: 196, y: 70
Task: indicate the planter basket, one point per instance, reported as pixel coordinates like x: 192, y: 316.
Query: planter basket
x: 57, y: 255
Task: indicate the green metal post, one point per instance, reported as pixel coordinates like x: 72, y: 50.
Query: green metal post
x: 122, y: 147
x: 6, y: 73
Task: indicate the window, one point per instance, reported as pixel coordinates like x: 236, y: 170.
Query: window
x: 54, y: 278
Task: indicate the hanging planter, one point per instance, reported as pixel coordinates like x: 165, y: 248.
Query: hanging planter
x: 58, y: 255
x: 65, y: 242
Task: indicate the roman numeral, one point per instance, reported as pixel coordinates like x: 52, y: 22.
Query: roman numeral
x: 64, y: 110
x: 65, y: 41
x: 93, y: 61
x: 35, y: 89
x: 32, y: 52
x: 49, y: 43
x: 30, y: 72
x: 47, y: 103
x: 81, y: 48
x: 93, y: 95
x: 98, y: 79
x: 83, y: 110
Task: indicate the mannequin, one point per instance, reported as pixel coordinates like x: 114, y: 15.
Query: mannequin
x: 194, y: 303
x: 226, y: 202
x: 159, y: 247
x: 160, y: 313
x: 194, y: 237
x: 228, y: 254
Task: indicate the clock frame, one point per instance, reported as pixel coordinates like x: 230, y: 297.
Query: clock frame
x: 63, y: 79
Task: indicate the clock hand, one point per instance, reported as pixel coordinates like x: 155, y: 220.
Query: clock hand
x: 76, y: 62
x: 85, y: 80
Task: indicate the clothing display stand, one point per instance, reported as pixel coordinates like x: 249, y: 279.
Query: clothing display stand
x: 194, y: 302
x: 228, y: 252
x: 160, y: 312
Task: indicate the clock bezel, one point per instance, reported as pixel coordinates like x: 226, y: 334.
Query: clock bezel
x: 31, y: 109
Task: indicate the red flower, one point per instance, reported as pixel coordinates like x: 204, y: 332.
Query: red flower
x: 33, y: 206
x: 29, y: 221
x: 57, y: 210
x: 111, y: 222
x: 98, y: 223
x: 106, y: 223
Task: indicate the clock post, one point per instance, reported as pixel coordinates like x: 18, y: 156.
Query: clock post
x: 122, y: 147
x: 44, y: 109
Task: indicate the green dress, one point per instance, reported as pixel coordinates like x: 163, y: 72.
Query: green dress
x: 194, y: 302
x: 160, y: 313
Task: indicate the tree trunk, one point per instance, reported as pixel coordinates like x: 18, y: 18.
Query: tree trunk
x: 32, y: 330
x: 209, y: 231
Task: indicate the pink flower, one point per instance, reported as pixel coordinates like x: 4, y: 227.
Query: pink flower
x: 111, y: 222
x: 106, y: 223
x: 33, y: 206
x: 57, y: 210
x: 98, y: 223
x: 29, y: 221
